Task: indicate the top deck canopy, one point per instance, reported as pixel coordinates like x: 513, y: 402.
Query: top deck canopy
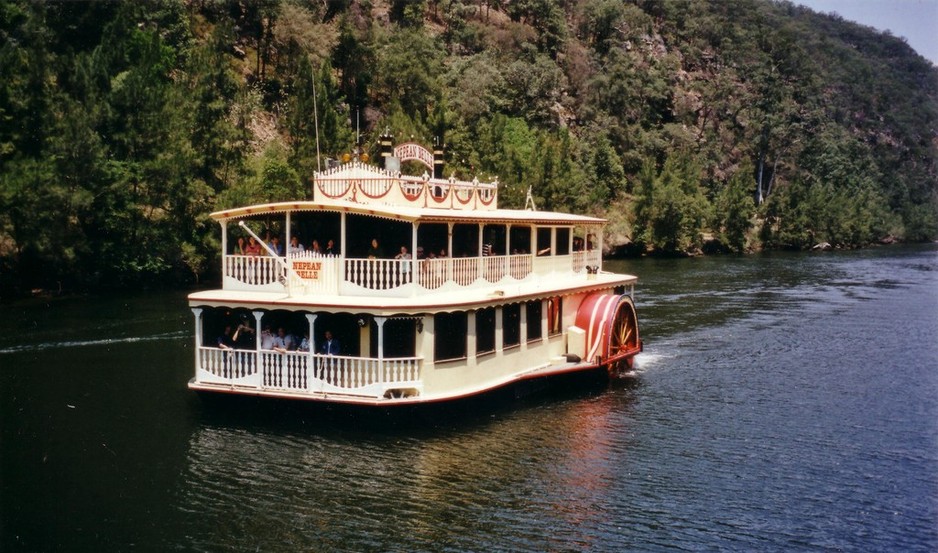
x: 414, y: 214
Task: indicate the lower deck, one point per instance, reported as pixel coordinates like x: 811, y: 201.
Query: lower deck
x: 306, y: 352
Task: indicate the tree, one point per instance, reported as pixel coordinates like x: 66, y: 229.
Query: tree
x: 735, y: 209
x: 671, y: 208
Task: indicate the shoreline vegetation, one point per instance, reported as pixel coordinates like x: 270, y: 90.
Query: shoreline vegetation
x: 695, y: 128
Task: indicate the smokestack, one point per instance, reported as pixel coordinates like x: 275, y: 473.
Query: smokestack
x: 385, y: 148
x: 438, y: 152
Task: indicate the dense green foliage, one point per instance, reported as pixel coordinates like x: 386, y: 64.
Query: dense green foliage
x: 747, y: 122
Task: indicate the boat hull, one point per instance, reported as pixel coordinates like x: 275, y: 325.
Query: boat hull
x: 234, y: 406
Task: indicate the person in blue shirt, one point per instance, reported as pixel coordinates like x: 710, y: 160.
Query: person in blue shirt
x: 330, y: 345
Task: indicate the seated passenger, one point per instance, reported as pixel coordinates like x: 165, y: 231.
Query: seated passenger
x: 375, y: 251
x: 252, y: 248
x: 275, y: 245
x: 283, y: 341
x: 295, y: 247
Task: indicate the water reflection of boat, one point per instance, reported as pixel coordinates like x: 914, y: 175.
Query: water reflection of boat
x: 489, y: 299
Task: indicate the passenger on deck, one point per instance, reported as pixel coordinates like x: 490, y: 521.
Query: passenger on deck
x: 314, y: 248
x: 267, y: 338
x: 244, y: 335
x: 275, y: 245
x: 404, y: 254
x: 304, y: 343
x: 283, y: 341
x: 252, y: 248
x: 225, y: 341
x: 295, y: 247
x: 375, y: 251
x: 330, y: 248
x: 330, y: 346
x: 241, y: 244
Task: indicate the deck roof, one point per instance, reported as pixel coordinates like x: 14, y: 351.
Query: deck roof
x: 413, y: 214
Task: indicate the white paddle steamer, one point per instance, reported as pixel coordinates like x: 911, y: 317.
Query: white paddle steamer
x: 429, y: 292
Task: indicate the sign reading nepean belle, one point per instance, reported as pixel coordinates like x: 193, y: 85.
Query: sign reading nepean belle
x: 413, y: 151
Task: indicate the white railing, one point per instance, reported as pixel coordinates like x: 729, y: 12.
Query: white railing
x: 494, y: 267
x: 304, y: 372
x: 255, y: 270
x: 316, y: 274
x: 465, y: 270
x: 378, y: 274
x: 586, y: 258
x: 520, y: 266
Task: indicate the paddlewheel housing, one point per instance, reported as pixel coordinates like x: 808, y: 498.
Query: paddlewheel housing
x: 611, y: 326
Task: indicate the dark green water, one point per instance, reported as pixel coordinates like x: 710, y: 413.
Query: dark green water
x: 784, y: 403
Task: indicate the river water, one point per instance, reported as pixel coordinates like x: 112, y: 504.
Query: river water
x: 784, y: 402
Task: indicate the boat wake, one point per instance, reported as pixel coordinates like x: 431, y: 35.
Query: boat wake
x: 84, y: 343
x: 647, y: 360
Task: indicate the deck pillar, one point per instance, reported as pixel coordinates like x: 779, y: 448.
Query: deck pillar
x: 197, y: 312
x: 380, y: 322
x: 499, y: 327
x: 471, y: 340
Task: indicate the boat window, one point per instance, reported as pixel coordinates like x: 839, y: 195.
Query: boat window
x: 315, y: 229
x: 449, y: 335
x: 431, y: 238
x: 399, y: 338
x: 363, y: 231
x: 543, y: 241
x: 493, y: 240
x: 465, y: 241
x: 511, y: 325
x: 563, y: 241
x: 520, y: 240
x: 533, y: 314
x: 554, y: 315
x: 485, y: 330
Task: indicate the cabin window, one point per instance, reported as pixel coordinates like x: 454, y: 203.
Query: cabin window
x: 465, y: 241
x: 314, y: 230
x: 563, y: 241
x: 520, y: 240
x: 449, y: 335
x: 374, y: 236
x: 493, y: 240
x: 533, y: 313
x: 554, y: 316
x: 485, y: 330
x: 432, y: 238
x: 511, y: 325
x: 543, y: 241
x: 399, y: 338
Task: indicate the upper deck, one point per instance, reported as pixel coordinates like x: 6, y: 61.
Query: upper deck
x: 337, y: 245
x: 363, y: 184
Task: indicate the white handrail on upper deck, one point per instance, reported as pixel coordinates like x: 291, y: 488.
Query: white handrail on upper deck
x: 316, y: 274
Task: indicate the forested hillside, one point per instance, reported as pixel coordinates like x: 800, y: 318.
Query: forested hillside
x: 737, y: 125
